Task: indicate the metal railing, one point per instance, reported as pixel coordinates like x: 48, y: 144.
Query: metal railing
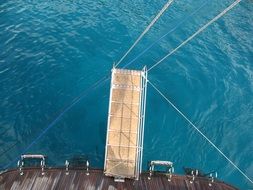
x: 21, y: 162
x: 167, y: 164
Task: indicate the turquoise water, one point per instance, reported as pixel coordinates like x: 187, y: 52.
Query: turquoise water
x: 51, y: 52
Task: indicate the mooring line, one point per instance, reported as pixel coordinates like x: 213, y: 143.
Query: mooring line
x: 201, y: 133
x: 196, y: 33
x: 146, y: 30
x: 8, y: 149
x: 167, y: 33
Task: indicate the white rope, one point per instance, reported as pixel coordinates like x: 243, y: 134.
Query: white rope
x: 196, y: 33
x: 146, y: 30
x: 202, y: 134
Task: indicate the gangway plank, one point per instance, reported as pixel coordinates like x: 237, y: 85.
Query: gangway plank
x: 124, y: 142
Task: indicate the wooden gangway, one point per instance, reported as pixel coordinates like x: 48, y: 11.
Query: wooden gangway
x: 124, y: 143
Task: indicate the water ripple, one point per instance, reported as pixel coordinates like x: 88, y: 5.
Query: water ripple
x: 50, y: 51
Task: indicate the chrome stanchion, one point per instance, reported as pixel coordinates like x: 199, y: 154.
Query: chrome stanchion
x: 42, y: 164
x: 211, y: 178
x: 87, y: 167
x: 171, y: 171
x: 67, y: 167
x: 194, y: 174
x: 20, y: 165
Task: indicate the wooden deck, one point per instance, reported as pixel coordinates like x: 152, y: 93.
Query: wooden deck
x: 55, y: 178
x: 122, y: 146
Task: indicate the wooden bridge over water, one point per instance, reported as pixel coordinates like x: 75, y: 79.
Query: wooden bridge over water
x: 124, y: 144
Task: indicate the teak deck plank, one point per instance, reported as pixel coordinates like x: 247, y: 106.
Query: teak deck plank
x: 55, y: 178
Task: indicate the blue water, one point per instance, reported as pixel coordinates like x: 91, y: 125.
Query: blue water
x: 51, y: 52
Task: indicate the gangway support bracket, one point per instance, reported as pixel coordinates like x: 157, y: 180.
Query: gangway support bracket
x: 119, y: 179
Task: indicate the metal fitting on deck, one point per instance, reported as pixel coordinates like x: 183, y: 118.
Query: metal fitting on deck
x: 171, y: 171
x: 119, y: 179
x: 151, y: 169
x: 87, y: 167
x: 167, y: 164
x: 194, y: 174
x: 211, y: 178
x: 21, y: 162
x: 20, y: 165
x: 42, y: 164
x: 67, y: 167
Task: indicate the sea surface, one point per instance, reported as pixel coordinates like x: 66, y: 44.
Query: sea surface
x: 52, y: 53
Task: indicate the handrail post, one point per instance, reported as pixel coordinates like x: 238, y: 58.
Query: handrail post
x: 87, y: 167
x: 150, y: 171
x: 42, y: 164
x: 211, y: 178
x: 171, y: 171
x: 20, y: 165
x: 194, y: 174
x: 67, y: 167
